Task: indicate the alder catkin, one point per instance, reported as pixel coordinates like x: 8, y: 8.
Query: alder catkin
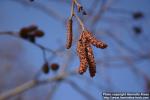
x: 85, y: 52
x: 91, y: 61
x: 98, y: 43
x: 69, y: 34
x: 82, y: 56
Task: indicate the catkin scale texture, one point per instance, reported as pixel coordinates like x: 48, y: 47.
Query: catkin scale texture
x: 69, y: 34
x: 85, y: 52
x: 91, y: 61
x: 92, y: 40
x: 82, y: 56
x: 97, y: 43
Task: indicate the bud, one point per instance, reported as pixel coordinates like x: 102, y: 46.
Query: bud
x: 45, y: 68
x: 54, y: 66
x: 39, y: 33
x: 32, y: 28
x: 84, y: 13
x: 137, y: 30
x: 24, y: 33
x: 32, y: 38
x: 31, y: 0
x: 80, y: 8
x: 138, y: 15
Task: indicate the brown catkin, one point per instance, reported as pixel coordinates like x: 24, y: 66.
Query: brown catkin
x: 69, y: 34
x: 91, y: 61
x: 85, y: 52
x: 82, y: 56
x: 98, y: 43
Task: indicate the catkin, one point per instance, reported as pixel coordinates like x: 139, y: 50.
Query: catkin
x: 85, y: 52
x: 82, y: 56
x: 98, y: 43
x: 91, y: 61
x: 69, y: 34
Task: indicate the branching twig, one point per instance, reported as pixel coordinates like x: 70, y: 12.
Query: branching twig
x: 36, y: 44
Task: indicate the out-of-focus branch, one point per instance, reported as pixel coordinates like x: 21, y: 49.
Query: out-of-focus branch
x: 94, y: 5
x: 34, y: 83
x: 18, y: 90
x: 52, y: 91
x: 122, y: 44
x: 36, y: 44
x: 104, y: 7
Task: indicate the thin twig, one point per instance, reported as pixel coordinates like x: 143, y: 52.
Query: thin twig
x: 14, y: 34
x: 72, y: 9
x: 80, y: 22
x: 78, y: 4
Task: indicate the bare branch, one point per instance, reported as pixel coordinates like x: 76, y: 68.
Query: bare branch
x: 33, y: 83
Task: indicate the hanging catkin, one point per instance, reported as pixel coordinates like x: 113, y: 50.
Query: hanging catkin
x: 91, y: 61
x: 82, y: 56
x: 85, y: 42
x: 98, y: 43
x: 85, y: 52
x: 69, y: 34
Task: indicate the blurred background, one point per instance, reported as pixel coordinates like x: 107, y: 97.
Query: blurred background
x: 122, y: 67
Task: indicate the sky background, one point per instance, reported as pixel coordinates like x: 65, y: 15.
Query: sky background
x: 27, y: 58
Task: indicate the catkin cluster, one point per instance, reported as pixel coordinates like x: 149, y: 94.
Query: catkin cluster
x: 85, y: 42
x: 84, y: 48
x: 85, y: 52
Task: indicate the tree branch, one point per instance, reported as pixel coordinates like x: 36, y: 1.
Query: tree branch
x: 33, y: 83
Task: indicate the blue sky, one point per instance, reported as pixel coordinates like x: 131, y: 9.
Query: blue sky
x: 15, y: 16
